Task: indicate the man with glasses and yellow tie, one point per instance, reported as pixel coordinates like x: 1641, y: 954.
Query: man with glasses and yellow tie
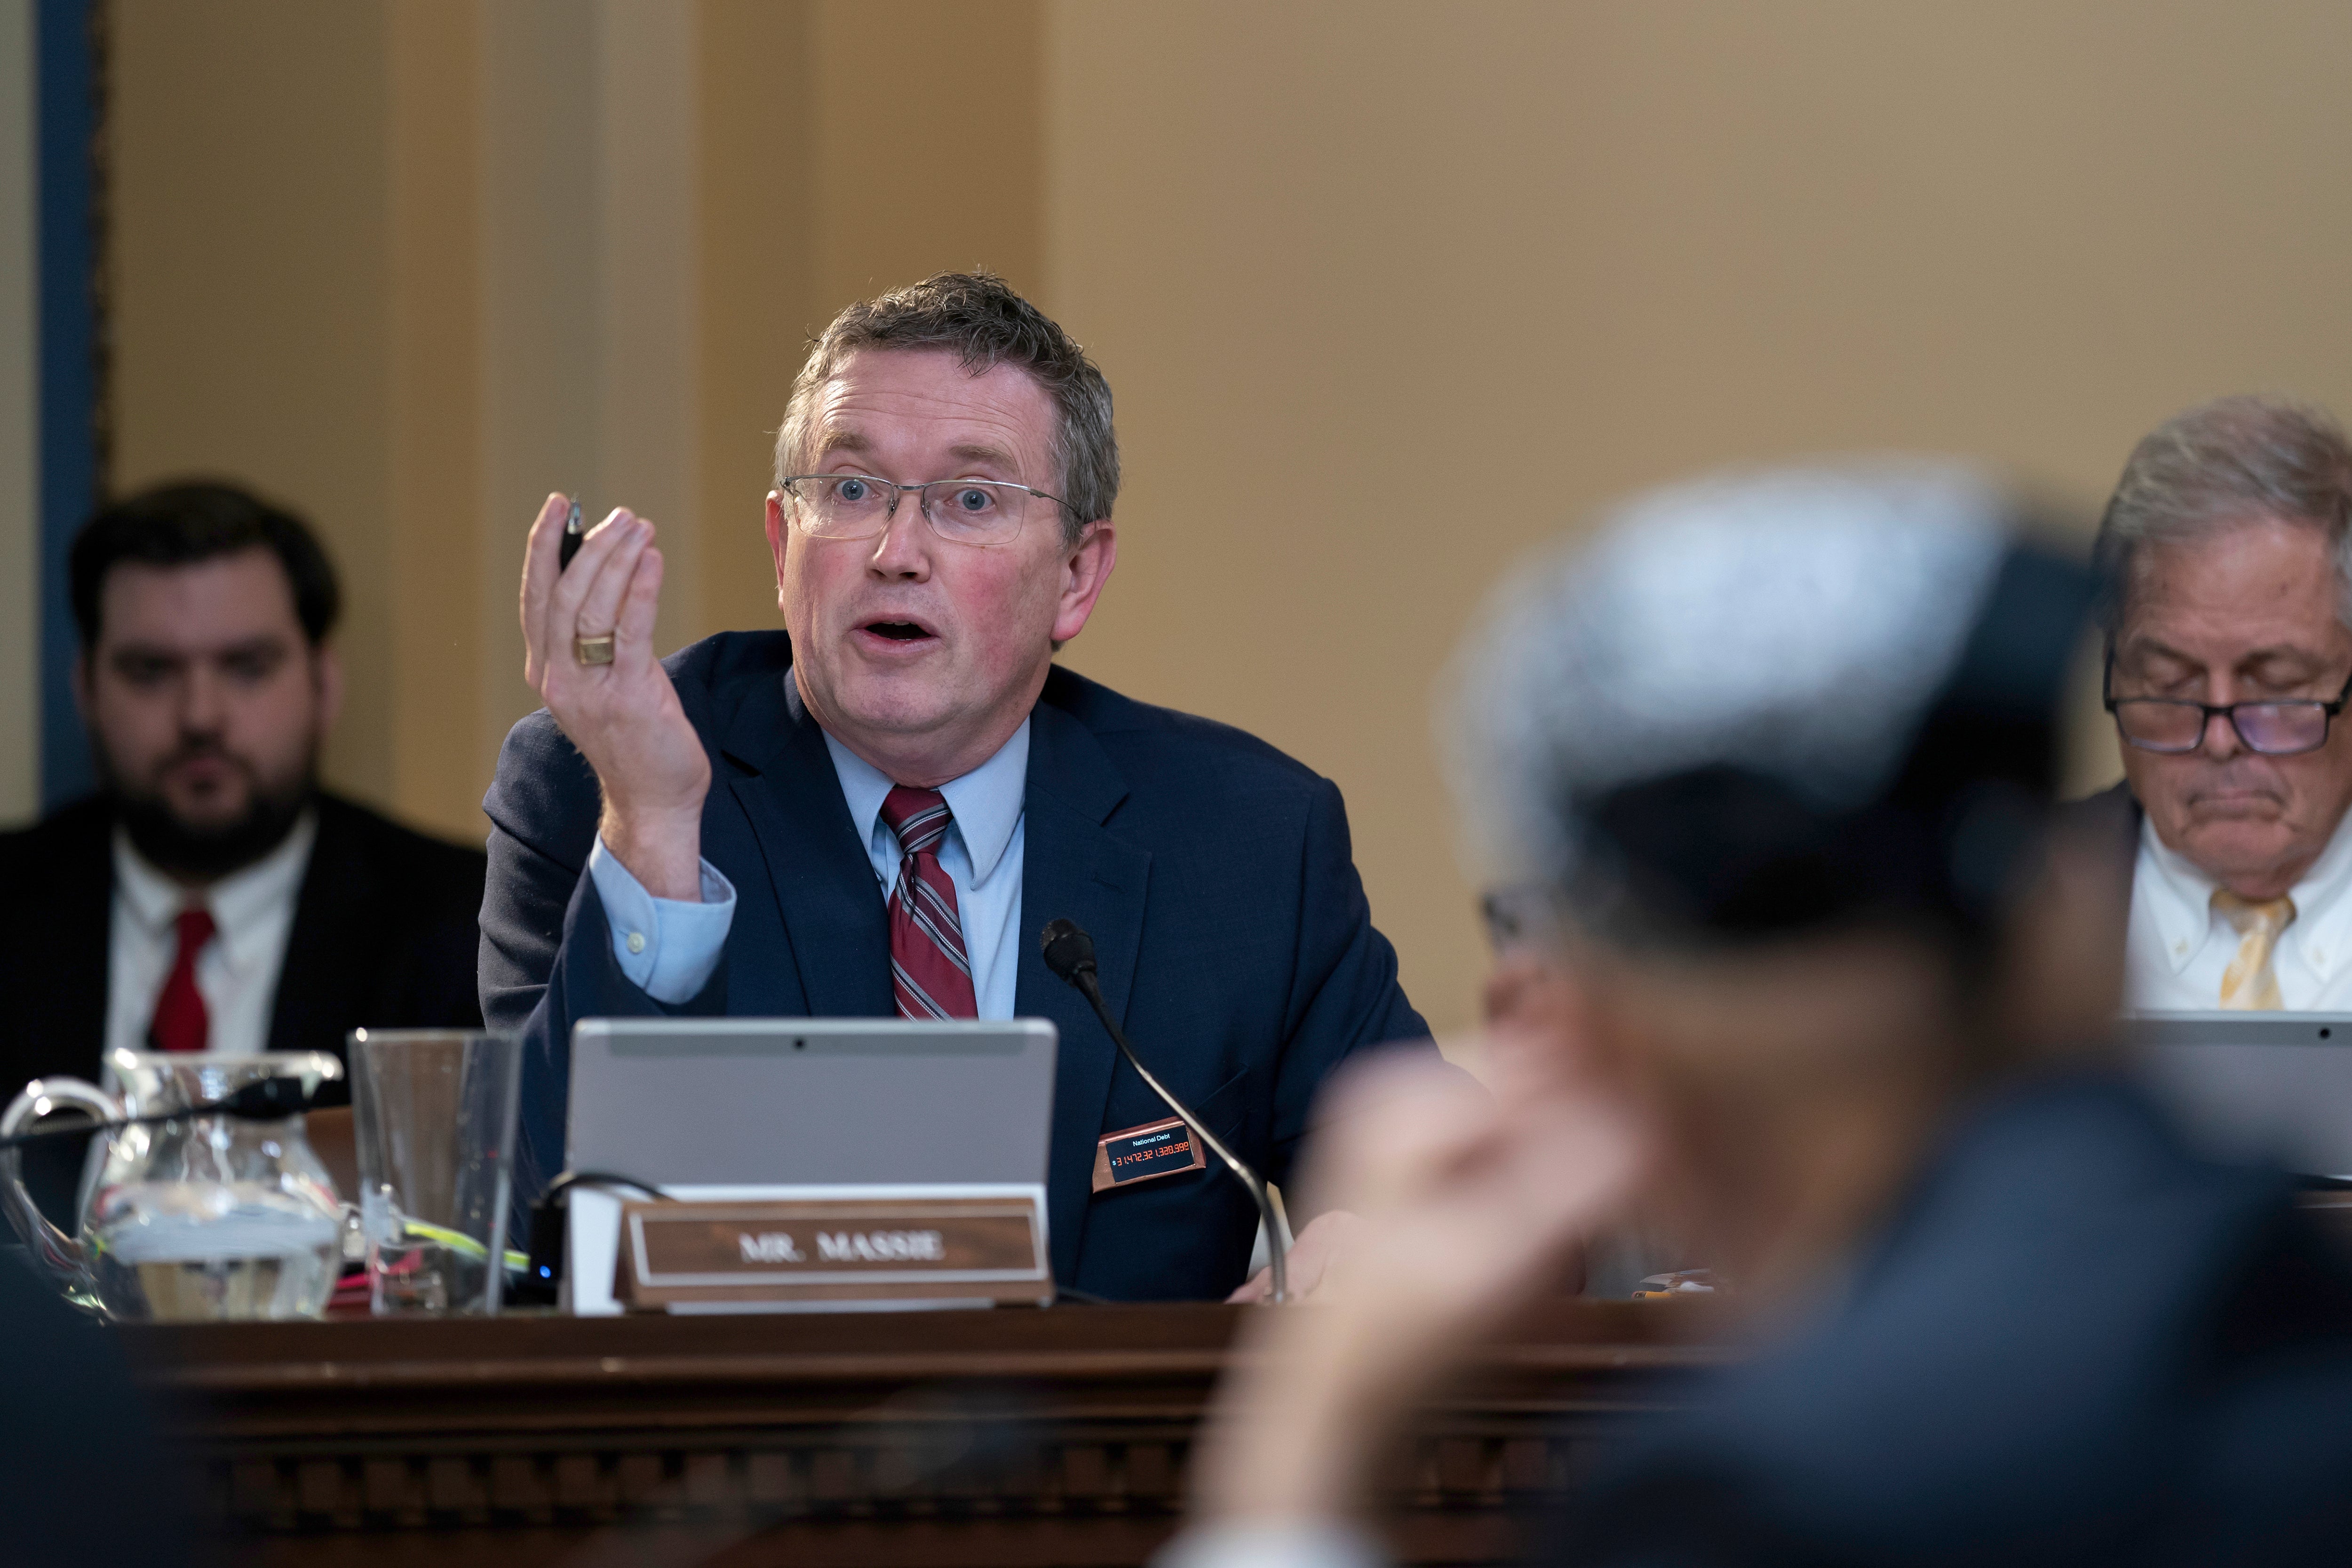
x: 2228, y: 552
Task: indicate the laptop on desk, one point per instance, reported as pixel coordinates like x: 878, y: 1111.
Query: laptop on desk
x: 743, y: 1108
x: 2274, y: 1086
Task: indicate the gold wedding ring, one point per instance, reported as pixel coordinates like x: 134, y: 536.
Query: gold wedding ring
x: 594, y: 650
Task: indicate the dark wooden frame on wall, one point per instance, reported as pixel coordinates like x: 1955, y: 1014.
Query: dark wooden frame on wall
x: 1013, y: 1436
x: 74, y: 384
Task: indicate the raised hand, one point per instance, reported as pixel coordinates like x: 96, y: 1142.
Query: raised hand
x: 1465, y: 1205
x: 624, y: 715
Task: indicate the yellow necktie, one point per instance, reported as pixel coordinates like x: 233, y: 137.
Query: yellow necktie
x: 2250, y: 983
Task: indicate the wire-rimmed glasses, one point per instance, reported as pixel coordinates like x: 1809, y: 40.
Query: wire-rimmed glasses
x: 2173, y: 725
x: 859, y: 506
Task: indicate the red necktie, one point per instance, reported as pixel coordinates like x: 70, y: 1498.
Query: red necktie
x: 930, y: 972
x: 181, y: 1023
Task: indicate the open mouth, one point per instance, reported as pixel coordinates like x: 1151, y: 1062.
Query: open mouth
x: 903, y: 632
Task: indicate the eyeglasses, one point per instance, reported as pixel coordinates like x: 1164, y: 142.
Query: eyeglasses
x: 859, y: 506
x: 2171, y: 726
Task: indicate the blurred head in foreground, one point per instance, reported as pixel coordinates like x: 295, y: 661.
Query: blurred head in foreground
x: 1769, y: 766
x: 1764, y: 777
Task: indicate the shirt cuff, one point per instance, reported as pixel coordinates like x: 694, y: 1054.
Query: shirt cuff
x: 667, y: 948
x: 1271, y: 1543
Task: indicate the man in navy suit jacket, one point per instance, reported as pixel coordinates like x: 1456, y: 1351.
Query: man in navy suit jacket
x: 759, y: 817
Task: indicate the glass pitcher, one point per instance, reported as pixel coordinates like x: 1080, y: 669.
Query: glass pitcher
x: 194, y: 1219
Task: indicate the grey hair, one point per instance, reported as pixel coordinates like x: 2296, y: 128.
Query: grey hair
x: 2221, y: 464
x: 980, y: 318
x: 1797, y: 622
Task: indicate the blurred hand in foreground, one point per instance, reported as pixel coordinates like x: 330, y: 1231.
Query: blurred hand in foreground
x: 1461, y: 1206
x: 623, y: 716
x: 1534, y: 1018
x: 1308, y: 1262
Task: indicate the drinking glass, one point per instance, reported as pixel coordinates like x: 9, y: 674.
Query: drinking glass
x: 435, y: 1115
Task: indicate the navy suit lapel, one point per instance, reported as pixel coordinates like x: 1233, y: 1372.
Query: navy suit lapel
x: 783, y: 777
x: 1077, y: 868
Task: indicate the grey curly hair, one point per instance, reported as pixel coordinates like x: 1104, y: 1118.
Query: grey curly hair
x: 2219, y: 464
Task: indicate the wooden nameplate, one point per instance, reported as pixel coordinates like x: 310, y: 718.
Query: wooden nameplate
x: 942, y: 1247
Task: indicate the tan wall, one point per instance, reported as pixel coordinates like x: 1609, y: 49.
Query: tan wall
x: 843, y: 154
x: 441, y: 613
x: 251, y: 332
x: 408, y: 264
x: 1388, y: 292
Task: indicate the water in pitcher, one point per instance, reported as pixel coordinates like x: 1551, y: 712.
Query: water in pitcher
x: 195, y: 1252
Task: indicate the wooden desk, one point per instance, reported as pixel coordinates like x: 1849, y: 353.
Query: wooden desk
x: 1013, y: 1436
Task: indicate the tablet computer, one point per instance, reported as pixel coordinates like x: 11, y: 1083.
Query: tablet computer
x: 2274, y: 1086
x: 737, y: 1106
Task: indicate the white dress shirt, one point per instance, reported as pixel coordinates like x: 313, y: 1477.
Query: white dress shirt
x: 668, y: 948
x: 2178, y: 946
x: 236, y: 971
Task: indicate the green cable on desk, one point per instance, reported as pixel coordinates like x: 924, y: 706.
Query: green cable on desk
x: 459, y: 1241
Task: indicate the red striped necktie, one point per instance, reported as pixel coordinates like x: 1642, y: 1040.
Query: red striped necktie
x: 930, y: 971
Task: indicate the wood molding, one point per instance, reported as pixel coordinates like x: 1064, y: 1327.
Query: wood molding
x: 1009, y: 1436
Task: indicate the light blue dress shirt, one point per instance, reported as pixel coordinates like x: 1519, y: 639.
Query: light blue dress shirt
x: 668, y: 948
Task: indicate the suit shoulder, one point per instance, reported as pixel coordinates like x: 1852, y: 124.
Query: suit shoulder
x: 412, y: 857
x: 81, y: 829
x: 2111, y: 819
x: 2116, y: 801
x: 545, y: 794
x: 2043, y: 1178
x: 708, y: 674
x: 725, y: 661
x: 1165, y: 736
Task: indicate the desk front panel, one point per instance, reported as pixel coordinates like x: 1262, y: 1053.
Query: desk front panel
x: 1011, y: 1436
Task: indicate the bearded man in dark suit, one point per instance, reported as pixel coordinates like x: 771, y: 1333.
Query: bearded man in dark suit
x: 210, y: 896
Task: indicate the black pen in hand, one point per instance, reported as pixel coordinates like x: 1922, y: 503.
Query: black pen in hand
x: 572, y: 534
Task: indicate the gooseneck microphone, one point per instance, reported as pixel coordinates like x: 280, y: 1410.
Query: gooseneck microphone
x: 1069, y: 952
x: 265, y: 1100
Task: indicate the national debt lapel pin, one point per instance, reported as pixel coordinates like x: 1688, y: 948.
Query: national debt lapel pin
x: 1140, y: 1153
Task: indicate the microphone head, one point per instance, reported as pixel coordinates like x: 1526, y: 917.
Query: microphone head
x: 1069, y: 951
x: 266, y: 1100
